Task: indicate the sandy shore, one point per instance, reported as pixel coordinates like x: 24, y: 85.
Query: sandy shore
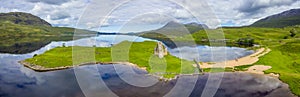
x: 259, y: 69
x: 247, y: 60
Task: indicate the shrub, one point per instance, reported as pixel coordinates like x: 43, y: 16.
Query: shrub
x: 246, y: 41
x: 293, y: 33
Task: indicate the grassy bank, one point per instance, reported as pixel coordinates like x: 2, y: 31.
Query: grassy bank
x: 141, y: 54
x: 285, y: 60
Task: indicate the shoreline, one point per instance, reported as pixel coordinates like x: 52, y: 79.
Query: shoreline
x: 246, y: 60
x: 230, y: 63
x: 44, y: 69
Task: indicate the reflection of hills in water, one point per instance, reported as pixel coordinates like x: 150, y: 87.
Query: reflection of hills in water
x: 23, y: 45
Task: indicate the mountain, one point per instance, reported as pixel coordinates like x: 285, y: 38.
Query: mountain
x: 22, y: 33
x: 23, y: 19
x: 16, y: 24
x: 179, y: 28
x: 284, y: 19
x: 171, y: 31
x: 194, y: 27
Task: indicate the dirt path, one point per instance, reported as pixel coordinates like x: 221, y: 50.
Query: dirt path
x: 259, y: 69
x: 247, y: 60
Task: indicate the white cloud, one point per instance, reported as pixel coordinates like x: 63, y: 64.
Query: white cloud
x: 55, y: 2
x: 55, y: 12
x: 143, y: 12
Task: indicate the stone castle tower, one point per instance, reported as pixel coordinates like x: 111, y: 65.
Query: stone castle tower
x: 160, y: 50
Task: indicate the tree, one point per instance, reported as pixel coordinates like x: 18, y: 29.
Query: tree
x: 64, y: 45
x: 293, y: 33
x: 34, y: 55
x: 246, y: 41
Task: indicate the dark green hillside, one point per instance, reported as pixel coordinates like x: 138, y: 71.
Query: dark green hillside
x: 194, y: 27
x: 24, y: 33
x: 23, y: 19
x: 173, y: 32
x: 284, y: 19
x: 25, y: 24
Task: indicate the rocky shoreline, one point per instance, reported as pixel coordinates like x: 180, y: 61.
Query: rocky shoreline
x: 44, y: 69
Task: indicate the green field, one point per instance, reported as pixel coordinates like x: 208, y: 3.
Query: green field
x: 140, y: 53
x: 259, y: 34
x: 232, y: 34
x: 285, y: 60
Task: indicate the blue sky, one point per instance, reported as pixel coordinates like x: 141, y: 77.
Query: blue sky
x: 139, y: 15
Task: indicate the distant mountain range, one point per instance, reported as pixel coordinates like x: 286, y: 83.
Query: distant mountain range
x: 284, y: 19
x: 172, y: 30
x: 175, y: 26
x: 177, y: 29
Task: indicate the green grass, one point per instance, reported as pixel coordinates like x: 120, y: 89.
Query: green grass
x: 278, y: 22
x: 141, y: 53
x: 284, y: 57
x: 285, y: 60
x: 8, y: 29
x: 257, y: 33
x: 263, y: 36
x: 242, y: 68
x: 216, y: 70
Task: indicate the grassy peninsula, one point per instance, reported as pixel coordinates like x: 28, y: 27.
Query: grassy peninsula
x: 140, y: 53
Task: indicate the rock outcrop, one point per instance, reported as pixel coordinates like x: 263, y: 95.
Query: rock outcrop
x: 160, y: 50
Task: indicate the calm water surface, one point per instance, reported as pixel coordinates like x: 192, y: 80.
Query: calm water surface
x: 19, y: 81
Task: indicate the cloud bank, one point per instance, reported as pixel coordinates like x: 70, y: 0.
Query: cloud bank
x: 68, y: 12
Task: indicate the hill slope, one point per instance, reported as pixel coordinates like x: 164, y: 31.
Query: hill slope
x: 22, y: 33
x: 171, y: 31
x: 174, y: 27
x: 284, y: 19
x: 25, y: 24
x: 23, y: 19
